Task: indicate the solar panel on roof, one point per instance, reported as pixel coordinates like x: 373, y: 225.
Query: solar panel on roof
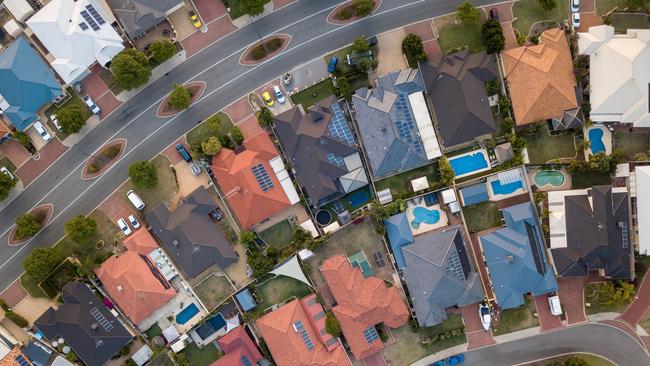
x: 83, y: 26
x: 95, y: 14
x: 338, y: 126
x: 245, y: 361
x: 101, y: 319
x: 262, y: 177
x: 89, y: 20
x: 21, y: 360
x: 370, y: 334
x: 336, y: 160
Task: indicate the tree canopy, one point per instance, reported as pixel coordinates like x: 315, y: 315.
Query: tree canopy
x: 493, y: 36
x: 446, y: 171
x: 71, y: 118
x: 80, y: 228
x: 468, y: 13
x: 6, y: 184
x: 413, y: 49
x: 211, y: 146
x: 360, y: 44
x: 265, y: 117
x: 130, y: 69
x: 363, y: 7
x: 143, y: 174
x: 236, y: 135
x: 41, y: 261
x: 162, y: 50
x: 252, y: 7
x: 27, y: 225
x: 344, y: 89
x: 179, y: 98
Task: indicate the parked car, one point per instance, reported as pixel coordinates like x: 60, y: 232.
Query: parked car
x: 194, y: 18
x: 6, y: 171
x: 455, y: 359
x: 278, y: 94
x: 136, y: 201
x: 126, y: 230
x: 55, y: 121
x: 575, y: 20
x: 575, y: 6
x: 183, y: 152
x: 267, y: 99
x: 195, y: 168
x: 372, y: 41
x: 91, y: 105
x: 438, y: 363
x: 331, y: 66
x: 38, y: 126
x: 134, y: 222
x: 494, y: 14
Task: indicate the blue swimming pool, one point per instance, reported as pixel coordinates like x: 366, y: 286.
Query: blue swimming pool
x: 596, y: 140
x: 186, y: 314
x: 507, y: 188
x: 424, y: 215
x: 468, y: 163
x: 358, y: 198
x: 211, y: 326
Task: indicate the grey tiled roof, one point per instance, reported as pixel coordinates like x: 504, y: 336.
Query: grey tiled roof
x: 138, y: 16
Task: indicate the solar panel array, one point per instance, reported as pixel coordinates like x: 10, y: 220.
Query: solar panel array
x: 303, y: 333
x: 335, y: 160
x: 83, y: 26
x: 405, y: 123
x: 370, y: 334
x: 339, y: 127
x: 91, y: 9
x: 21, y: 360
x: 454, y: 267
x: 89, y: 20
x: 262, y: 177
x: 245, y: 361
x: 101, y: 319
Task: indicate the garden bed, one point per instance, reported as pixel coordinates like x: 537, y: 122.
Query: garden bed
x: 104, y: 158
x: 345, y: 13
x: 268, y: 48
x: 195, y: 88
x: 43, y: 213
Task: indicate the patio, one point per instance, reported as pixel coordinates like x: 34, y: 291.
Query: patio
x: 184, y: 298
x: 163, y: 31
x: 504, y: 185
x: 422, y: 217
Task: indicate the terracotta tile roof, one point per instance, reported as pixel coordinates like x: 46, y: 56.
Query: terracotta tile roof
x: 141, y: 241
x: 236, y: 179
x: 4, y: 129
x: 288, y: 347
x: 540, y: 78
x: 10, y: 358
x: 236, y: 346
x: 362, y: 303
x: 130, y: 281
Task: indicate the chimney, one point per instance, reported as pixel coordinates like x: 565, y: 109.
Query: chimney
x: 94, y: 326
x: 176, y: 242
x: 510, y: 258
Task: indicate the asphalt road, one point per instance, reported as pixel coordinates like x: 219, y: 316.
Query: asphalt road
x: 227, y: 80
x: 599, y: 339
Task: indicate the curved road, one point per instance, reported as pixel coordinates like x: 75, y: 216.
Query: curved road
x: 227, y: 80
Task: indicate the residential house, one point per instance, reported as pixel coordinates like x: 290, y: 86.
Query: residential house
x: 394, y: 124
x: 639, y: 181
x: 456, y: 88
x: 238, y: 348
x: 590, y: 230
x: 362, y: 303
x: 516, y: 257
x: 93, y: 333
x: 37, y: 353
x: 26, y: 84
x: 10, y: 352
x: 296, y: 336
x: 322, y: 148
x: 189, y: 236
x: 138, y: 16
x: 77, y: 34
x: 619, y: 76
x: 254, y: 180
x: 541, y: 82
x: 20, y: 9
x: 5, y: 132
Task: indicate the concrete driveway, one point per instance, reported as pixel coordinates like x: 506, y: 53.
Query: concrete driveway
x: 389, y: 53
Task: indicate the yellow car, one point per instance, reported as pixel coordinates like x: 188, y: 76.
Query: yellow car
x: 196, y: 22
x: 267, y: 99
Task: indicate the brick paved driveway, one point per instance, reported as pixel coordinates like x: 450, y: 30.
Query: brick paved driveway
x: 572, y: 292
x: 47, y: 155
x: 108, y: 103
x: 210, y: 9
x: 239, y: 109
x: 93, y: 84
x: 171, y: 153
x: 216, y: 30
x: 13, y: 294
x: 547, y: 321
x: 637, y: 309
x: 476, y: 336
x: 15, y: 152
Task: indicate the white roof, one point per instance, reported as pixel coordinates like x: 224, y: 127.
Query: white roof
x: 448, y: 196
x: 12, y: 27
x: 171, y: 333
x: 557, y: 216
x: 309, y: 226
x: 643, y: 208
x: 419, y: 184
x: 622, y: 170
x: 58, y: 26
x: 285, y: 181
x: 61, y: 361
x: 618, y: 94
x: 332, y: 227
x: 291, y: 268
x: 384, y: 196
x: 20, y: 9
x: 305, y: 254
x: 425, y: 125
x: 142, y: 355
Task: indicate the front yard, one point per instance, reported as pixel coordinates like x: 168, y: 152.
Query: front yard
x: 400, y: 184
x: 201, y: 132
x: 600, y: 300
x: 280, y: 289
x: 453, y: 35
x: 528, y: 12
x: 278, y: 235
x: 53, y: 109
x: 482, y: 216
x: 213, y: 289
x: 164, y: 192
x: 543, y: 147
x: 512, y: 320
x: 308, y: 97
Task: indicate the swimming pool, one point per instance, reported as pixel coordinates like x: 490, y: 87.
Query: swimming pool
x: 186, y: 314
x: 211, y: 326
x: 507, y: 188
x: 424, y: 215
x: 469, y: 163
x: 551, y: 177
x: 596, y: 140
x: 358, y: 198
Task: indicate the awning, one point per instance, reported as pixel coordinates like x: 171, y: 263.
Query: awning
x: 420, y: 184
x: 291, y: 268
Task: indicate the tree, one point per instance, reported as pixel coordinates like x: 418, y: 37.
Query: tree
x: 130, y: 69
x: 413, y: 49
x: 363, y: 7
x: 71, y: 118
x: 27, y: 225
x: 547, y: 5
x: 247, y: 239
x: 446, y: 172
x: 162, y: 50
x: 236, y: 135
x: 211, y: 146
x: 468, y: 13
x: 40, y: 262
x: 143, y: 174
x: 265, y: 117
x: 179, y: 97
x: 493, y: 36
x: 6, y: 184
x: 635, y: 4
x: 332, y: 325
x: 344, y: 88
x: 213, y: 123
x: 80, y: 228
x: 360, y: 45
x: 252, y: 7
x: 364, y: 65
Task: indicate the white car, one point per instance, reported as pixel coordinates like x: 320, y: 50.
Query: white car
x: 91, y: 105
x: 6, y: 171
x: 575, y: 6
x: 55, y: 121
x: 126, y: 230
x: 42, y: 131
x: 575, y: 20
x: 134, y: 222
x: 278, y: 94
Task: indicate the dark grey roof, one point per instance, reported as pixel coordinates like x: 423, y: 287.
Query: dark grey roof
x: 381, y: 113
x: 37, y: 353
x: 189, y: 236
x: 85, y: 324
x: 456, y: 88
x: 595, y: 236
x: 138, y: 16
x: 439, y: 274
x: 307, y: 140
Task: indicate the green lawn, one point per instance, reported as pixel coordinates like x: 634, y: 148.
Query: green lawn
x: 163, y: 192
x: 314, y: 93
x: 201, y: 132
x: 604, y: 6
x: 543, y: 147
x: 202, y: 357
x: 587, y: 180
x: 632, y: 143
x: 5, y: 162
x: 482, y: 216
x: 512, y: 320
x: 527, y: 12
x: 235, y: 8
x: 154, y: 331
x: 213, y: 290
x: 400, y: 184
x: 280, y: 289
x: 162, y: 360
x: 453, y: 36
x: 278, y: 235
x: 53, y: 109
x: 622, y: 22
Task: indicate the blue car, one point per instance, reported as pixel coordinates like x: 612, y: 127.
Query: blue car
x: 438, y: 363
x: 183, y: 153
x: 455, y: 359
x: 331, y: 66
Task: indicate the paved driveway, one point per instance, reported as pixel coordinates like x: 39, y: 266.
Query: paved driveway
x: 547, y: 321
x: 637, y: 309
x: 572, y: 292
x: 210, y: 9
x: 46, y: 156
x: 476, y: 335
x: 93, y: 84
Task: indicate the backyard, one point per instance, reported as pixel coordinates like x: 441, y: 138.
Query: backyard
x: 280, y: 289
x: 314, y: 93
x: 543, y: 147
x: 482, y: 216
x: 53, y: 109
x: 624, y: 21
x: 631, y: 143
x: 604, y: 6
x: 162, y: 360
x: 278, y: 235
x: 213, y: 289
x: 528, y: 12
x: 201, y: 132
x: 453, y: 35
x: 163, y: 192
x: 587, y: 180
x: 400, y: 184
x: 202, y: 357
x: 154, y: 331
x: 512, y: 320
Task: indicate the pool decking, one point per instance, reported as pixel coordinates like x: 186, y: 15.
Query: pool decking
x: 424, y: 227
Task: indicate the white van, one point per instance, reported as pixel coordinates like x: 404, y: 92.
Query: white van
x: 554, y: 304
x: 135, y: 200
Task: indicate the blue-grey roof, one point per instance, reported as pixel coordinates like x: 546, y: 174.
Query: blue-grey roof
x: 246, y: 300
x: 474, y: 194
x: 516, y: 258
x: 399, y: 234
x: 26, y: 83
x: 37, y: 353
x: 386, y: 123
x: 439, y: 274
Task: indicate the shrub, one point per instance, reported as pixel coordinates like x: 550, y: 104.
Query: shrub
x: 252, y: 7
x: 345, y: 13
x: 211, y: 146
x: 468, y: 13
x: 493, y: 36
x: 179, y: 98
x: 3, y: 305
x: 258, y: 53
x: 363, y: 7
x: 6, y: 184
x: 71, y: 118
x: 360, y: 44
x: 343, y: 88
x: 162, y: 50
x: 27, y: 225
x: 17, y: 319
x: 80, y: 228
x: 265, y: 117
x: 213, y: 123
x: 413, y: 49
x: 24, y: 140
x: 93, y: 167
x: 144, y: 174
x: 111, y: 151
x: 237, y: 136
